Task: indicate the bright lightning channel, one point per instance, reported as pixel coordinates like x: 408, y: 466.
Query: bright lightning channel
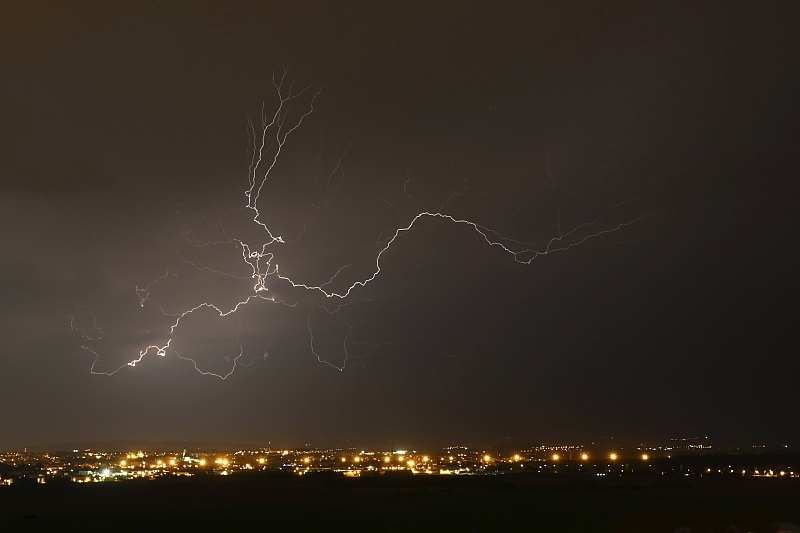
x: 269, y: 139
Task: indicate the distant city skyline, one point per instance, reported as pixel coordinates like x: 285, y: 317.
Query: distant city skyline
x: 697, y: 443
x: 89, y: 466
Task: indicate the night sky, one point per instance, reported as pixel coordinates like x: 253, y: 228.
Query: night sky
x: 667, y: 135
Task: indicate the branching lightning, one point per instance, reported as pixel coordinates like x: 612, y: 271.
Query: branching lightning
x: 270, y: 135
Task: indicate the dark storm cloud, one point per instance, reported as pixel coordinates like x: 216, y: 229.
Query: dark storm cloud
x: 123, y: 145
x: 49, y: 177
x: 24, y: 169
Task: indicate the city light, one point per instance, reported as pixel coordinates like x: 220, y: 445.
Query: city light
x: 86, y: 467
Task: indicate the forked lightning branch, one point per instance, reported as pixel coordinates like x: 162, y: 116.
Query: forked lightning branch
x: 270, y: 134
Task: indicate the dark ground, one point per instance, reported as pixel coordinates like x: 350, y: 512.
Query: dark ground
x: 319, y: 503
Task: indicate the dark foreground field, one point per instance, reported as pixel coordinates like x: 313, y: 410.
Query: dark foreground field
x: 324, y: 503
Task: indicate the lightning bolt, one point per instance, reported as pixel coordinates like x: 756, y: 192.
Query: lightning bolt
x: 270, y: 135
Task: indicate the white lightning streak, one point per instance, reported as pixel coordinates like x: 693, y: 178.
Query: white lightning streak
x: 280, y: 133
x: 268, y: 143
x: 80, y: 330
x: 344, y: 346
x: 483, y: 231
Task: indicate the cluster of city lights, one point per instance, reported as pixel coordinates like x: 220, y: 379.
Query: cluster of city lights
x: 88, y: 466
